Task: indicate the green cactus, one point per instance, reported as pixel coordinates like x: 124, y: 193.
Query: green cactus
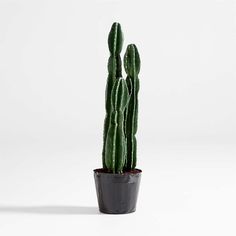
x: 120, y: 125
x: 115, y: 42
x: 115, y: 145
x: 132, y: 68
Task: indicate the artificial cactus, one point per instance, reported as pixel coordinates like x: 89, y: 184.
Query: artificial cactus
x: 115, y: 146
x: 120, y: 126
x: 132, y: 68
x: 115, y: 42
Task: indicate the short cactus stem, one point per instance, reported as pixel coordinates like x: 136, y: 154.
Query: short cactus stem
x: 115, y: 146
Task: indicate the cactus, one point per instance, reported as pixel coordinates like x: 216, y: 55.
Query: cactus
x: 120, y: 125
x: 132, y: 68
x: 115, y: 145
x: 115, y: 42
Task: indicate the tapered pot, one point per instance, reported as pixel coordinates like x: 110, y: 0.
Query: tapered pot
x: 117, y: 193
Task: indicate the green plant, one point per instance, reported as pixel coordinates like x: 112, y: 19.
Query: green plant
x: 120, y: 125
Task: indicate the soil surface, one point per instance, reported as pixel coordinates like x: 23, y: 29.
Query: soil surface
x: 135, y: 171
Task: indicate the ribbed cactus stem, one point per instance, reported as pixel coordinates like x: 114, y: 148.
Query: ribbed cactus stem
x: 115, y: 43
x: 115, y: 146
x: 132, y: 68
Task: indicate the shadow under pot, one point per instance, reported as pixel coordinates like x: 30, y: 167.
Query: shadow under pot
x: 117, y: 193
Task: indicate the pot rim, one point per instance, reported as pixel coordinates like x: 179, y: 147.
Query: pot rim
x: 101, y: 171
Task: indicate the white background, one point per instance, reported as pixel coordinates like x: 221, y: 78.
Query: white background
x: 53, y: 58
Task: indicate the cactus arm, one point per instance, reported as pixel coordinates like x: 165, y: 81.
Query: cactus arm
x: 115, y: 42
x: 132, y: 68
x: 115, y: 146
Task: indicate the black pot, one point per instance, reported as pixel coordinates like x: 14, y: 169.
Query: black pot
x: 117, y: 193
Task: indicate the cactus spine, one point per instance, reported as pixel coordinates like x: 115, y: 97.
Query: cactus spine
x: 132, y: 68
x: 115, y: 146
x: 115, y: 43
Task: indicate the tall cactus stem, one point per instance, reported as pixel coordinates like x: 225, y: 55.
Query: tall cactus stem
x: 132, y: 68
x: 115, y: 43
